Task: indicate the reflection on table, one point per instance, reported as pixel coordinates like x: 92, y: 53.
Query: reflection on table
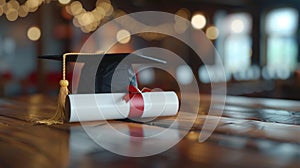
x: 251, y: 132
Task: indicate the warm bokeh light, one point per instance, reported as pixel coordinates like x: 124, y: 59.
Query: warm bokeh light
x: 34, y: 33
x: 32, y: 4
x: 14, y: 4
x: 212, y: 33
x: 119, y: 13
x: 89, y: 20
x: 1, y: 10
x: 108, y: 8
x: 198, y: 21
x: 183, y: 12
x: 181, y: 25
x: 2, y: 2
x: 85, y: 19
x: 237, y: 26
x: 12, y: 14
x: 123, y: 36
x: 98, y: 13
x: 76, y: 8
x: 23, y: 11
x: 68, y: 9
x: 6, y: 6
x: 33, y: 9
x: 75, y: 21
x: 64, y: 2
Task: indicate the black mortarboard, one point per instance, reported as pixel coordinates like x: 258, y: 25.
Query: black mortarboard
x: 97, y: 73
x: 107, y: 67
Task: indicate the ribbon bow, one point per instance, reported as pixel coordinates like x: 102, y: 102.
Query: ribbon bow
x: 135, y: 98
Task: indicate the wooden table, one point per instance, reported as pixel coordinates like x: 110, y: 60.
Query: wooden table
x: 250, y: 133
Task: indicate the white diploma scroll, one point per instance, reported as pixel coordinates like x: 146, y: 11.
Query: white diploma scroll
x: 106, y: 106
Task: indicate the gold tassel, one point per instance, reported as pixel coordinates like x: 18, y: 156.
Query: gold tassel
x: 60, y: 110
x: 59, y: 115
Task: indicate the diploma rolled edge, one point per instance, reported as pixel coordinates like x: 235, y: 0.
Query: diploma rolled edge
x: 107, y: 106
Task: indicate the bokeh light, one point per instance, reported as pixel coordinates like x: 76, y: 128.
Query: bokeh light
x: 23, y: 11
x: 34, y: 33
x: 198, y: 21
x: 183, y: 12
x: 146, y: 76
x: 237, y: 26
x: 2, y: 2
x: 76, y: 8
x: 212, y: 32
x: 1, y: 10
x: 123, y: 36
x: 12, y: 14
x: 64, y: 2
x: 181, y: 25
x: 184, y: 75
x: 14, y: 4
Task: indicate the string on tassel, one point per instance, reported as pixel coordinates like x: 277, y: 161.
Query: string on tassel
x: 59, y: 116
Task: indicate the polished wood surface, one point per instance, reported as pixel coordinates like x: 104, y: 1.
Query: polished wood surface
x: 251, y: 133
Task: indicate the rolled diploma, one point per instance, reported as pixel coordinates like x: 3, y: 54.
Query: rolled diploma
x: 105, y: 106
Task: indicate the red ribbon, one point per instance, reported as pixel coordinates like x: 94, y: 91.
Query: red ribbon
x: 135, y: 98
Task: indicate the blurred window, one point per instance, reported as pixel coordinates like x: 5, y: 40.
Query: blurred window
x: 281, y: 44
x: 234, y: 42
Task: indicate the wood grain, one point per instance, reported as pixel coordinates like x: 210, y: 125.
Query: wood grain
x: 250, y: 133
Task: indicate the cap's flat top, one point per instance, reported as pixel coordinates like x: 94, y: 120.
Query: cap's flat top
x: 109, y: 57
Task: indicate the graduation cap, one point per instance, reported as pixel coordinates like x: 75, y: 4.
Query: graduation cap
x: 97, y: 74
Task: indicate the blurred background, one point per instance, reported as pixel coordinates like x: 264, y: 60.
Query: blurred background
x: 258, y: 42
